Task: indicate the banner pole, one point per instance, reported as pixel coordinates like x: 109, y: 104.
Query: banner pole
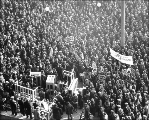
x: 123, y: 23
x: 131, y: 72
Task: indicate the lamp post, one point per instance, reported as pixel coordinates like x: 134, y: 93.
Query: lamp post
x: 122, y: 23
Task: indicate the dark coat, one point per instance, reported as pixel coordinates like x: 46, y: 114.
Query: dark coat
x: 69, y: 109
x: 21, y: 104
x: 56, y: 112
x: 27, y: 107
x: 87, y: 112
x: 13, y: 105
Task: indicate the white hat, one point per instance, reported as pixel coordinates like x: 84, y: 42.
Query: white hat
x: 12, y: 97
x: 118, y: 106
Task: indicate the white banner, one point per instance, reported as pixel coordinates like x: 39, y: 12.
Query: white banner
x: 122, y: 58
x: 35, y: 74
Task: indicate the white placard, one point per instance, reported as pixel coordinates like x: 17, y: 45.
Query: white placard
x: 81, y: 74
x: 37, y: 74
x: 50, y: 79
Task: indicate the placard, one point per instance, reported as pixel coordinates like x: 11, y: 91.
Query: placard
x: 37, y: 74
x: 51, y: 78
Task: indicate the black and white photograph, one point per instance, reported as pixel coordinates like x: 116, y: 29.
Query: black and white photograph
x: 74, y: 60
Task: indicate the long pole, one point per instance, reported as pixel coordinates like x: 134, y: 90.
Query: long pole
x: 122, y: 23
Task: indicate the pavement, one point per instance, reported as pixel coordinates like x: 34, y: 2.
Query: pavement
x: 7, y: 116
x: 76, y: 116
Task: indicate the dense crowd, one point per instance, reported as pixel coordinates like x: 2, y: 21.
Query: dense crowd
x: 73, y: 34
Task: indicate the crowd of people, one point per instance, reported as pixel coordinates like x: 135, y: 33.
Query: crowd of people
x: 73, y: 34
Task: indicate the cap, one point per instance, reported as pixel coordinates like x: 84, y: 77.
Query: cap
x: 12, y: 97
x: 126, y: 103
x: 7, y: 82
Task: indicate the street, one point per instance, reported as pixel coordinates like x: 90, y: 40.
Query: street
x: 7, y: 116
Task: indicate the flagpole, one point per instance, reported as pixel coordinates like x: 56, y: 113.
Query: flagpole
x: 122, y: 23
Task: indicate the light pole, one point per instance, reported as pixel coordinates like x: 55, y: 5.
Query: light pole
x: 122, y: 23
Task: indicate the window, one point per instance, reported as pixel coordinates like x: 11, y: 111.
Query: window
x: 52, y: 92
x: 51, y: 86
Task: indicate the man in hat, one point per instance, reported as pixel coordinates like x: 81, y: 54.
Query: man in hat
x: 21, y: 104
x: 60, y: 98
x: 35, y: 104
x: 28, y: 108
x: 56, y: 112
x: 112, y: 115
x: 138, y: 116
x: 80, y: 100
x: 69, y: 110
x: 13, y: 106
x: 120, y: 111
x: 75, y: 102
x: 37, y: 113
x: 104, y: 116
x: 86, y: 111
x: 42, y: 94
x: 118, y: 101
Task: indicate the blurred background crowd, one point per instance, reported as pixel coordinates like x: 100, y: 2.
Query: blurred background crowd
x: 73, y: 34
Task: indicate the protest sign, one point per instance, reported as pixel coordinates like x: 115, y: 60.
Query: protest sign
x: 37, y: 74
x: 122, y: 58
